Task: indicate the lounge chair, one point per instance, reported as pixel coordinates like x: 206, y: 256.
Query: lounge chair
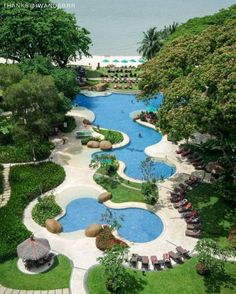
x: 185, y: 208
x: 156, y: 263
x: 186, y: 152
x: 194, y: 234
x: 184, y: 187
x: 193, y: 220
x: 176, y: 199
x: 166, y: 260
x: 189, y: 214
x: 134, y: 260
x: 176, y: 257
x: 181, y: 150
x: 195, y: 226
x: 183, y: 252
x: 180, y: 203
x: 145, y: 263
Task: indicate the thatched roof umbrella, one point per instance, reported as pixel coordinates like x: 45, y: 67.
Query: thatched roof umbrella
x: 33, y: 248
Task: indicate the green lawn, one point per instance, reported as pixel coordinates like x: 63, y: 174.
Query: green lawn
x: 55, y: 278
x: 181, y: 280
x: 217, y: 216
x: 120, y: 193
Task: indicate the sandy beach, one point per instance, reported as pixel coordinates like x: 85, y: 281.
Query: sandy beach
x: 103, y: 60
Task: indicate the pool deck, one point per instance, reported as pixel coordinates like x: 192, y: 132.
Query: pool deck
x: 79, y: 182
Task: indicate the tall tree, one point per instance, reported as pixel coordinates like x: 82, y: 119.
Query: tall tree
x: 197, y: 75
x: 26, y: 32
x: 151, y: 43
x: 36, y: 105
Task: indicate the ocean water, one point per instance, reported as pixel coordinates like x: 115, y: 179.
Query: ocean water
x: 116, y: 26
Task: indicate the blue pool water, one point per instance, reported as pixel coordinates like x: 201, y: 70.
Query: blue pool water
x: 138, y: 225
x: 113, y: 112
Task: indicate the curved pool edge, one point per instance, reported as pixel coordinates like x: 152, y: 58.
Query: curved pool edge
x: 117, y: 206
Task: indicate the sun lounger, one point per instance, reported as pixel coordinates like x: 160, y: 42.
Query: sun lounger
x: 195, y: 226
x: 185, y: 153
x: 176, y: 199
x: 186, y: 207
x: 183, y: 252
x: 180, y: 203
x: 166, y: 260
x: 181, y: 150
x: 194, y: 234
x: 156, y: 263
x: 145, y: 263
x: 193, y: 220
x: 134, y: 260
x: 175, y: 256
x: 189, y: 214
x: 184, y: 187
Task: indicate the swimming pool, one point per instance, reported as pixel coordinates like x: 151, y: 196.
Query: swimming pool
x: 113, y: 112
x: 137, y: 225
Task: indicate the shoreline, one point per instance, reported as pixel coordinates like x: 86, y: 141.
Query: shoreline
x: 95, y: 59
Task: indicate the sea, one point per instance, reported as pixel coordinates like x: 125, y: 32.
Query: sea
x: 117, y: 26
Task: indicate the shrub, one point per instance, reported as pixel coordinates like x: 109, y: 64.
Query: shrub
x: 45, y: 208
x: 13, y: 153
x: 201, y: 269
x: 84, y: 141
x: 232, y: 237
x: 71, y: 124
x: 106, y: 240
x: 1, y: 179
x: 27, y: 182
x: 150, y: 192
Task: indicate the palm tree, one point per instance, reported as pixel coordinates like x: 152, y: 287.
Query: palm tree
x: 151, y: 43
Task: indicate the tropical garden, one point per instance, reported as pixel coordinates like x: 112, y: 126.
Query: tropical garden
x: 194, y: 65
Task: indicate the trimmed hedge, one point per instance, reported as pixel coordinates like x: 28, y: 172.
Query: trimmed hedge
x: 11, y: 153
x: 27, y: 182
x: 1, y: 179
x: 45, y: 208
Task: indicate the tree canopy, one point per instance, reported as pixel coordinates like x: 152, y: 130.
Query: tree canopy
x: 49, y: 31
x: 198, y: 76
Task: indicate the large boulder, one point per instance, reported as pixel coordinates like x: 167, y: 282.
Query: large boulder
x: 104, y: 197
x: 100, y: 87
x: 93, y: 230
x: 105, y: 145
x: 93, y: 144
x: 53, y: 226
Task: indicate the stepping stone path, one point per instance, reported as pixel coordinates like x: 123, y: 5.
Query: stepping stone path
x: 4, y: 290
x: 7, y: 190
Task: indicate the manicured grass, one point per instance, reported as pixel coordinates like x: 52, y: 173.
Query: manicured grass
x: 113, y: 136
x: 57, y: 277
x: 217, y: 216
x: 180, y: 280
x: 119, y: 193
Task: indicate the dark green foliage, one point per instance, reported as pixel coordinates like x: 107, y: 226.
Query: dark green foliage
x: 150, y: 192
x: 46, y: 208
x: 71, y: 124
x: 27, y: 182
x: 196, y: 25
x: 49, y: 32
x: 24, y: 153
x: 1, y: 179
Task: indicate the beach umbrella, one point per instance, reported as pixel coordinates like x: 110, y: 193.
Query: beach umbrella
x: 115, y: 60
x: 33, y: 248
x: 132, y: 60
x: 105, y: 60
x: 141, y: 60
x: 124, y: 61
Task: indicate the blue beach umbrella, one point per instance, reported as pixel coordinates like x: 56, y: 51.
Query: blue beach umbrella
x: 141, y: 60
x: 105, y: 60
x: 133, y: 60
x: 124, y: 61
x: 115, y: 60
